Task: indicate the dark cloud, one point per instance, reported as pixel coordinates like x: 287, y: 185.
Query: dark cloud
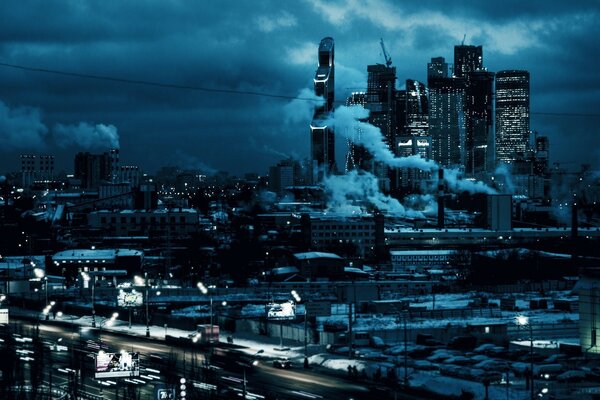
x: 267, y: 47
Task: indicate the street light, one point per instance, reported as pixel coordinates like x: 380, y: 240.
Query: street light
x: 87, y: 276
x: 204, y: 291
x: 298, y: 300
x: 138, y: 280
x: 523, y: 320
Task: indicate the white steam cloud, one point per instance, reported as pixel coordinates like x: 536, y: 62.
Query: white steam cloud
x: 301, y: 109
x: 87, y: 135
x: 503, y: 177
x: 355, y: 193
x: 21, y: 128
x: 345, y: 120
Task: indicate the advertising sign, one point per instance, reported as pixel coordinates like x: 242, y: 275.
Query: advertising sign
x: 3, y: 315
x: 130, y: 299
x: 164, y: 393
x: 281, y: 311
x: 117, y: 365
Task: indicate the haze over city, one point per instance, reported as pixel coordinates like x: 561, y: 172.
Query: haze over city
x: 267, y: 47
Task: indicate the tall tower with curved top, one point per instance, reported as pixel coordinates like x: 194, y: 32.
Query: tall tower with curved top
x: 322, y: 139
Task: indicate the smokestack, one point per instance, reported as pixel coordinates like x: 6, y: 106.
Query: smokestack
x: 574, y: 221
x: 440, y: 200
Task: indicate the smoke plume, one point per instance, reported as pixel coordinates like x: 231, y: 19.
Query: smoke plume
x: 301, y: 109
x: 87, y: 136
x: 357, y: 193
x: 21, y: 128
x: 345, y: 120
x: 503, y: 178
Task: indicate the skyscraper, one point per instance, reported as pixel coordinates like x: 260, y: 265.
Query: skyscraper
x: 322, y: 141
x: 479, y: 137
x: 357, y: 157
x: 512, y: 115
x: 413, y: 133
x: 479, y: 122
x: 381, y: 103
x: 447, y: 120
x: 381, y: 87
x: 467, y: 59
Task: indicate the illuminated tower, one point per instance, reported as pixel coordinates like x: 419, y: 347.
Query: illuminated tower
x: 512, y: 115
x: 322, y: 140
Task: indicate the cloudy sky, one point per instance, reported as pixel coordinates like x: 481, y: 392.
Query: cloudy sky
x: 270, y: 47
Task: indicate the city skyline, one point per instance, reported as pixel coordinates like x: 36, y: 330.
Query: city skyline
x: 271, y: 52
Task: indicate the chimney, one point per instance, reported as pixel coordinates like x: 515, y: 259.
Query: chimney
x: 574, y: 221
x: 440, y: 200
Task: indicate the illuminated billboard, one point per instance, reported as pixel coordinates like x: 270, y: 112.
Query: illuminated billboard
x: 3, y: 315
x: 130, y: 299
x: 117, y: 365
x: 281, y: 311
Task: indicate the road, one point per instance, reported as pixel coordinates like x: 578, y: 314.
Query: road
x: 295, y: 383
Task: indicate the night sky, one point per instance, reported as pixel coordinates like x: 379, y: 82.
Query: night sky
x: 266, y: 46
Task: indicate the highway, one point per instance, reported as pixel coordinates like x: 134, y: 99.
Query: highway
x: 265, y: 380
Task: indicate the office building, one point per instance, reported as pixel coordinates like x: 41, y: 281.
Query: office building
x: 512, y: 115
x: 467, y: 59
x: 322, y: 136
x: 479, y: 136
x: 447, y: 120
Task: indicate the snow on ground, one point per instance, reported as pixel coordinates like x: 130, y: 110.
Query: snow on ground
x: 454, y: 386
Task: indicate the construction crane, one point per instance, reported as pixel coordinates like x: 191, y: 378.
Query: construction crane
x: 388, y: 59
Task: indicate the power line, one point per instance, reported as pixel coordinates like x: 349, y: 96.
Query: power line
x: 152, y: 83
x: 216, y: 90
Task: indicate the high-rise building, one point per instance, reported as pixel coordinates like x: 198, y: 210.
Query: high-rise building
x: 381, y: 88
x: 322, y: 141
x: 437, y: 68
x: 512, y: 115
x: 281, y: 176
x: 357, y: 157
x: 94, y: 169
x: 447, y: 120
x: 467, y: 59
x: 479, y: 137
x: 417, y: 109
x: 412, y: 116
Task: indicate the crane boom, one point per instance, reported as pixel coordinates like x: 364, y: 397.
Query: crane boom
x: 388, y: 59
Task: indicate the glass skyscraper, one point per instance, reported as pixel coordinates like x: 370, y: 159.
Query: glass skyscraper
x: 512, y: 115
x: 322, y: 140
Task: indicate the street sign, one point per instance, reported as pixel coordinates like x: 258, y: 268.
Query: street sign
x: 318, y: 308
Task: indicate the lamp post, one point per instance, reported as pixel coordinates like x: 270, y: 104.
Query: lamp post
x: 523, y: 320
x: 298, y: 300
x: 144, y: 281
x: 205, y: 291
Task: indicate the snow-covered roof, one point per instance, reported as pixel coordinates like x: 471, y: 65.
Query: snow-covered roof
x: 99, y: 254
x: 311, y: 255
x: 284, y: 270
